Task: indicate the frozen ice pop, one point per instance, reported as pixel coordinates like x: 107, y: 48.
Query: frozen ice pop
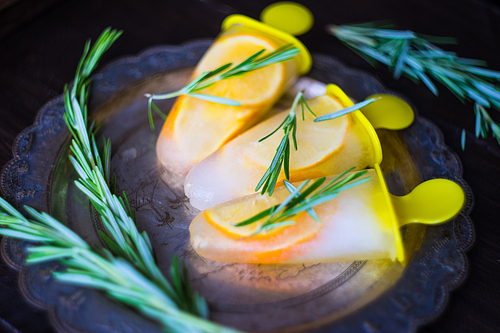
x: 362, y: 223
x: 324, y: 148
x: 195, y: 128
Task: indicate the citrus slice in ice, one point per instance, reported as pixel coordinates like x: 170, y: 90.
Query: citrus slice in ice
x: 213, y: 234
x: 252, y: 88
x: 316, y: 142
x: 225, y: 215
x: 196, y: 128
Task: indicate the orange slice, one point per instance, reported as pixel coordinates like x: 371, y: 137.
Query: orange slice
x: 196, y: 128
x: 254, y: 87
x: 225, y: 215
x: 214, y: 236
x: 316, y: 141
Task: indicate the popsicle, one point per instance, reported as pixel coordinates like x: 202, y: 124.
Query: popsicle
x: 324, y: 148
x: 361, y: 223
x: 195, y: 128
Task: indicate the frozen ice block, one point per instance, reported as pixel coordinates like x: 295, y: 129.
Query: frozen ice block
x: 338, y: 144
x: 362, y: 223
x: 195, y: 128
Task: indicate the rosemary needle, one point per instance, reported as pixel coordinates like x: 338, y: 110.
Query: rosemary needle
x: 206, y: 79
x: 343, y: 112
x: 282, y: 155
x: 413, y: 55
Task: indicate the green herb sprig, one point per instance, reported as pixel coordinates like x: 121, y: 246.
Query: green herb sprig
x: 83, y: 144
x: 100, y: 269
x: 414, y: 56
x: 303, y: 198
x: 282, y: 156
x: 93, y: 167
x: 132, y: 277
x: 209, y: 78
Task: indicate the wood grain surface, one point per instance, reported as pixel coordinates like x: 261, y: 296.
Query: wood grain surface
x: 39, y: 53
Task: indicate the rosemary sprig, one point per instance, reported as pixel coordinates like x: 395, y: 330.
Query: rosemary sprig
x: 99, y: 269
x: 93, y: 167
x: 122, y: 236
x: 414, y: 56
x: 76, y: 115
x: 282, y: 156
x: 209, y: 78
x: 303, y: 198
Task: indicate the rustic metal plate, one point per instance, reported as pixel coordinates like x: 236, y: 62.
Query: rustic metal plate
x: 342, y: 297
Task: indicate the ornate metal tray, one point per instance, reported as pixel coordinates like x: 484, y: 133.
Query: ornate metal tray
x: 359, y: 296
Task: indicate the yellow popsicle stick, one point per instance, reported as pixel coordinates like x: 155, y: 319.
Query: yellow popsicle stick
x: 434, y: 201
x: 290, y: 17
x: 388, y: 112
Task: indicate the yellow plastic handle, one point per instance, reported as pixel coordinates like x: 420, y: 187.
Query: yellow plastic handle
x: 389, y: 112
x: 431, y: 202
x: 290, y: 17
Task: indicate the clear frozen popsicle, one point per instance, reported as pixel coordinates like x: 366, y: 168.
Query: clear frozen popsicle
x: 363, y: 222
x: 324, y: 148
x: 195, y: 128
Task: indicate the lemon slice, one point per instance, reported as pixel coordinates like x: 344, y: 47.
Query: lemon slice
x: 196, y: 128
x: 252, y: 88
x: 226, y: 215
x: 316, y: 141
x: 214, y: 236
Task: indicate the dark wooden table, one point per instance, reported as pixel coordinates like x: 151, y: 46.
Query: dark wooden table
x: 41, y: 42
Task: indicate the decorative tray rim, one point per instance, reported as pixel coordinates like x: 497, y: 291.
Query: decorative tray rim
x: 22, y: 146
